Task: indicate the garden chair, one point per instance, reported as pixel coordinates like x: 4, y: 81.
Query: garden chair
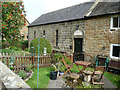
x: 68, y: 66
x: 97, y: 78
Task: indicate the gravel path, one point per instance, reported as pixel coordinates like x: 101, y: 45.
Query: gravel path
x: 59, y: 83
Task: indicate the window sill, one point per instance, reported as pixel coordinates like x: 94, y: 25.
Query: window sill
x: 112, y: 57
x: 114, y: 29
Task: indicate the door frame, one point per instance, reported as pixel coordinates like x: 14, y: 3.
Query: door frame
x: 78, y: 36
x: 81, y: 43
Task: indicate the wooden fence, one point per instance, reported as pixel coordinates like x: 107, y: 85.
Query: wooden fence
x: 20, y: 62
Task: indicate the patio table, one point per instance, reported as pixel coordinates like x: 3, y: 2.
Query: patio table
x: 82, y: 63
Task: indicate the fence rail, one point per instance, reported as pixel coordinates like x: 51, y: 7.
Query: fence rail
x: 17, y: 63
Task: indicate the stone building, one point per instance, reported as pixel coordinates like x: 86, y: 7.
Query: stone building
x: 86, y: 29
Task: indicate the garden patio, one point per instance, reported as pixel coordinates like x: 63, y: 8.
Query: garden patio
x: 109, y: 79
x: 51, y: 63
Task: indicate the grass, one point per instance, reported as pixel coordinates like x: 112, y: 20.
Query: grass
x: 111, y: 77
x: 11, y: 51
x: 44, y: 77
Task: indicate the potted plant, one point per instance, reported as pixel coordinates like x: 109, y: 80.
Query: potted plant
x: 53, y: 74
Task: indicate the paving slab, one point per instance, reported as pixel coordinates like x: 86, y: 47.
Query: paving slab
x: 59, y: 83
x: 108, y: 83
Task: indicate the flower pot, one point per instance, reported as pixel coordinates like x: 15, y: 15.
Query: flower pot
x: 53, y: 75
x: 61, y: 73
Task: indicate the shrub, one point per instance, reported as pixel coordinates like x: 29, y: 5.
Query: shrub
x: 43, y: 43
x: 11, y: 68
x: 22, y: 74
x: 26, y: 49
x: 24, y: 44
x: 14, y: 48
x: 58, y: 56
x: 29, y: 68
x: 5, y: 44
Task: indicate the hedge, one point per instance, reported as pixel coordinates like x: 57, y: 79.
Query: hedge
x: 43, y: 43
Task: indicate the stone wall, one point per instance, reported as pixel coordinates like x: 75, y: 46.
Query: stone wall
x: 65, y: 31
x: 98, y: 35
x: 10, y: 79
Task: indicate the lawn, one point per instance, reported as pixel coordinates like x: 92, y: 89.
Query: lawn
x: 44, y: 77
x: 11, y: 51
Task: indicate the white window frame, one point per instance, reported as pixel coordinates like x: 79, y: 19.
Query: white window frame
x: 111, y: 51
x: 111, y: 25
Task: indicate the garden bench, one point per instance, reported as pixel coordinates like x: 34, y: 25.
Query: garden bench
x: 114, y: 64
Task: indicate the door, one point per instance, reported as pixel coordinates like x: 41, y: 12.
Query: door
x: 78, y: 49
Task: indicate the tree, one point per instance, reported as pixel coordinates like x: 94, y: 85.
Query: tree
x: 13, y: 18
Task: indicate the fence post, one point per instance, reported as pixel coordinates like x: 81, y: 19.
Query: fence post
x: 0, y: 57
x: 32, y: 60
x: 71, y: 57
x: 13, y: 67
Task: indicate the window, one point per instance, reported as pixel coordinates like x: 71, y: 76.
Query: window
x: 34, y: 34
x: 115, y: 51
x: 43, y: 33
x: 115, y: 22
x: 27, y: 36
x: 56, y: 37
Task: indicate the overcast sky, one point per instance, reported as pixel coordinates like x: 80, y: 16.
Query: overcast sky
x: 35, y: 8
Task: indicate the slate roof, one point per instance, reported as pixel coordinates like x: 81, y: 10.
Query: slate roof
x: 66, y: 14
x: 106, y: 8
x: 78, y: 12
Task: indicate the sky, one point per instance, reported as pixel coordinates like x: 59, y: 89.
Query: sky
x: 35, y: 8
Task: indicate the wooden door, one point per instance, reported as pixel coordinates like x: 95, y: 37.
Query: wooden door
x: 78, y: 49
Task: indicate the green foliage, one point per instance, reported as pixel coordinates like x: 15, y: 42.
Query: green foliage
x: 5, y: 51
x: 13, y: 19
x: 29, y: 68
x: 4, y: 44
x: 14, y: 48
x: 67, y: 60
x: 24, y: 44
x: 22, y: 74
x: 11, y: 68
x: 27, y: 49
x: 43, y: 43
x: 57, y: 67
x: 0, y: 44
x: 117, y: 80
x: 58, y: 56
x: 44, y: 77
